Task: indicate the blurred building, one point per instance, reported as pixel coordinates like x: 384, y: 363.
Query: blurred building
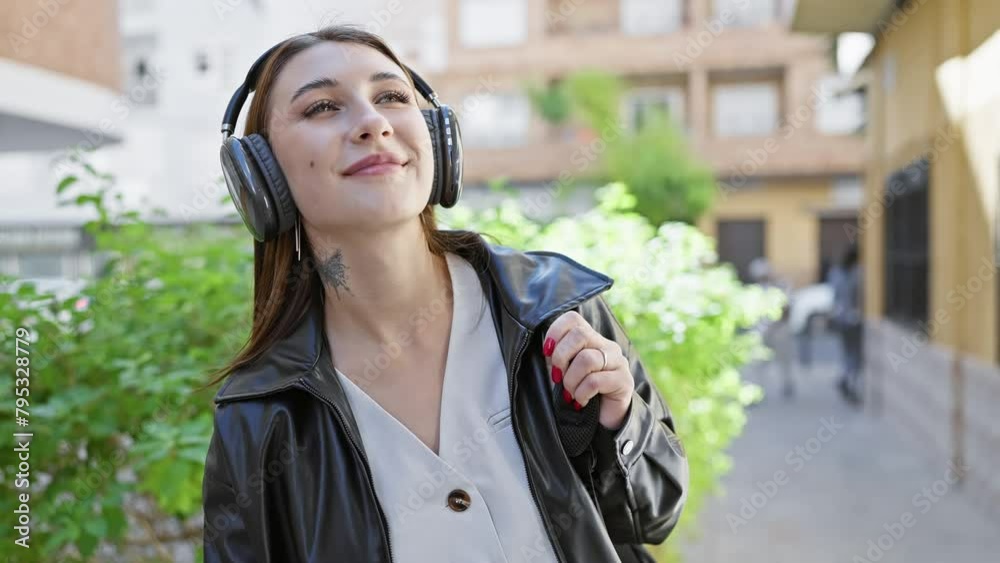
x: 929, y: 222
x: 759, y: 102
x: 200, y: 53
x: 147, y: 81
x: 58, y: 91
x: 53, y: 63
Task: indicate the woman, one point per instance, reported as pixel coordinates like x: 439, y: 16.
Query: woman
x: 404, y: 388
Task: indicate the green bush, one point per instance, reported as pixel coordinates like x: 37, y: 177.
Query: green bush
x: 552, y: 102
x: 595, y: 97
x: 669, y: 182
x: 117, y: 425
x: 686, y: 314
x: 114, y: 418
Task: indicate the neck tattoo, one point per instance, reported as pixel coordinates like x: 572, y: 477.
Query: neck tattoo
x: 334, y: 272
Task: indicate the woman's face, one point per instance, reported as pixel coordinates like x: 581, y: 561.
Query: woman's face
x: 334, y: 104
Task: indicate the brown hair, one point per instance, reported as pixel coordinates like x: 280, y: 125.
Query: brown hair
x: 284, y: 288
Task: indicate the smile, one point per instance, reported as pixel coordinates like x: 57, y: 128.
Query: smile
x: 379, y: 169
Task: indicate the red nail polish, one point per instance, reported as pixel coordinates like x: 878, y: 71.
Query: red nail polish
x: 566, y: 396
x: 556, y: 375
x: 549, y: 346
x: 577, y: 406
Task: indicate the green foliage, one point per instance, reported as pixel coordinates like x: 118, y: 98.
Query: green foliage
x: 595, y: 97
x: 686, y: 314
x: 112, y: 406
x: 551, y: 102
x: 669, y: 182
x: 112, y: 402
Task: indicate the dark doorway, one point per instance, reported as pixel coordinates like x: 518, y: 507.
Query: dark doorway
x: 740, y: 241
x: 906, y: 244
x: 835, y: 235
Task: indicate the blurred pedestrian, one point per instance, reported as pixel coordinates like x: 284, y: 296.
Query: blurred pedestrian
x: 849, y: 323
x: 776, y: 334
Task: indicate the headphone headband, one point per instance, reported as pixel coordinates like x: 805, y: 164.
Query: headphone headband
x: 250, y: 84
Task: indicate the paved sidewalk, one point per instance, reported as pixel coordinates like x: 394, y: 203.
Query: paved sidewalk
x: 816, y: 481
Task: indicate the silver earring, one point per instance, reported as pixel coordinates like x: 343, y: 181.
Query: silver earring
x: 298, y: 239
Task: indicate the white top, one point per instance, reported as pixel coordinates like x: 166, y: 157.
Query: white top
x: 422, y: 493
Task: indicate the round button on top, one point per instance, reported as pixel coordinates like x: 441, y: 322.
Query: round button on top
x: 459, y: 500
x: 627, y: 448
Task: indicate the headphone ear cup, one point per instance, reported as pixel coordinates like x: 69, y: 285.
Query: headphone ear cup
x: 452, y: 147
x: 431, y: 118
x: 248, y: 188
x: 285, y: 209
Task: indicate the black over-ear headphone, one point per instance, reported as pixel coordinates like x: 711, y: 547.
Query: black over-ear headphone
x: 258, y: 185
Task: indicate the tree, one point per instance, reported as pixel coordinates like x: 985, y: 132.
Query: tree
x: 669, y: 182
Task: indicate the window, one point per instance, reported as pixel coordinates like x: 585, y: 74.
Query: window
x: 201, y: 62
x: 746, y: 13
x: 495, y: 120
x: 211, y: 67
x: 641, y: 101
x: 847, y: 191
x: 40, y: 265
x: 906, y: 258
x: 748, y: 109
x: 581, y: 17
x: 490, y: 23
x: 838, y: 110
x: 139, y: 6
x: 142, y: 81
x: 649, y: 17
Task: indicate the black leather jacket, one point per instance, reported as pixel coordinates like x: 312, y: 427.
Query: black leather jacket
x: 287, y: 479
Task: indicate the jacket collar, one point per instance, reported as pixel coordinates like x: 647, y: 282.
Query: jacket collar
x: 523, y: 288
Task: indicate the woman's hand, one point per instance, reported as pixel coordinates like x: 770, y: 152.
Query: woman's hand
x: 573, y: 349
